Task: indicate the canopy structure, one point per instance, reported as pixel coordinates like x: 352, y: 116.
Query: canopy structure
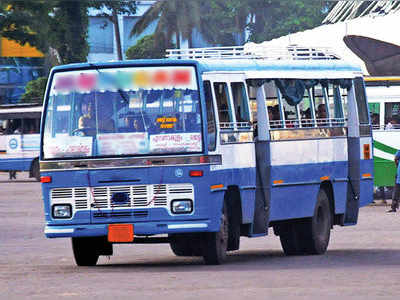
x: 369, y: 41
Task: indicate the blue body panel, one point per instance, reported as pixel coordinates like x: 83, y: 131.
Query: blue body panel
x: 288, y: 203
x: 208, y: 203
x: 366, y: 184
x: 16, y: 164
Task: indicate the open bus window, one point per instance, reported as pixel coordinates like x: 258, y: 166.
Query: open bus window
x: 375, y: 111
x: 321, y: 112
x: 306, y: 111
x: 211, y: 126
x: 240, y: 102
x: 392, y: 115
x: 223, y: 104
x: 272, y: 103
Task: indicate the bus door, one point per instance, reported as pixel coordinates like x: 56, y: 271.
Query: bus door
x: 359, y: 143
x: 263, y: 162
x: 233, y: 139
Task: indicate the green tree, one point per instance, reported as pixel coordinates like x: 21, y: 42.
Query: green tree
x: 273, y: 19
x: 176, y: 18
x: 113, y: 8
x: 54, y: 26
x: 34, y: 91
x: 146, y: 47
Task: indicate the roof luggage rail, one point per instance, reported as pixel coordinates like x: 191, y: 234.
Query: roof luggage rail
x: 254, y: 51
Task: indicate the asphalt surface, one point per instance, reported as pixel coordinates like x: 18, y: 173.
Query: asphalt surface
x: 362, y: 262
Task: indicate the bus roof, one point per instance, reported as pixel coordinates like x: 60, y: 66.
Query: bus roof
x: 20, y: 111
x: 382, y: 80
x: 252, y: 68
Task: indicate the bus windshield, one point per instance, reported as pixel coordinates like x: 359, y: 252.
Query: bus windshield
x: 122, y: 111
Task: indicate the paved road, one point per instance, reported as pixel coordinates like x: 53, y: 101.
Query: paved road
x: 362, y: 262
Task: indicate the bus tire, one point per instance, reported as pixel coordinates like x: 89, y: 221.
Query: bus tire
x: 36, y: 169
x: 290, y: 238
x: 85, y: 251
x: 185, y: 245
x: 316, y: 233
x: 216, y: 243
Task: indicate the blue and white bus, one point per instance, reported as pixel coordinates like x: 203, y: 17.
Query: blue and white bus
x: 20, y: 139
x: 203, y: 148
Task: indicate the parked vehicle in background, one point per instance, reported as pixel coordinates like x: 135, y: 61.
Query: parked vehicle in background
x: 205, y: 147
x: 20, y: 138
x: 384, y: 104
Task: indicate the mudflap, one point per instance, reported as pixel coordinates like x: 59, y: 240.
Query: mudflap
x: 263, y: 191
x: 353, y: 185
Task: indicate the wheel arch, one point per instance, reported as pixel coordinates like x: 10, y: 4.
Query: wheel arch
x: 34, y: 164
x: 328, y: 188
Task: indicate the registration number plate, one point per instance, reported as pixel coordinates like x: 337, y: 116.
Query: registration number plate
x: 120, y: 233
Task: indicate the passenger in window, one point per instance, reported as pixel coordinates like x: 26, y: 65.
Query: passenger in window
x: 138, y: 125
x: 391, y: 124
x: 223, y: 113
x: 306, y: 119
x: 321, y: 115
x: 87, y: 120
x: 274, y: 117
x: 375, y: 120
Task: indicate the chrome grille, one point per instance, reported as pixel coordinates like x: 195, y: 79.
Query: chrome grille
x: 139, y: 196
x: 78, y: 197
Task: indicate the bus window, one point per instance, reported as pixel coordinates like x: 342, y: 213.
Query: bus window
x: 392, y: 115
x: 210, y: 116
x: 335, y: 105
x: 375, y: 111
x: 251, y: 91
x: 224, y: 109
x: 321, y: 113
x: 290, y: 111
x: 361, y: 101
x: 31, y: 126
x: 240, y: 102
x: 305, y: 109
x: 272, y: 103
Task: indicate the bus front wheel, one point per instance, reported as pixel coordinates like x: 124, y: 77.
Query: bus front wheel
x: 36, y: 169
x: 85, y: 251
x: 185, y: 245
x: 216, y: 243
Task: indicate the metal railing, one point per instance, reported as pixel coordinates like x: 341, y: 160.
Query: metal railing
x: 254, y: 52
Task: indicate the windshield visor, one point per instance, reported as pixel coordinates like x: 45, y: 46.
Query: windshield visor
x: 125, y: 111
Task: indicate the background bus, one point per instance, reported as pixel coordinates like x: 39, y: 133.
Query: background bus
x: 384, y: 104
x: 20, y: 138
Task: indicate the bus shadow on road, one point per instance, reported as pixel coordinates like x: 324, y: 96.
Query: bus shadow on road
x: 260, y: 259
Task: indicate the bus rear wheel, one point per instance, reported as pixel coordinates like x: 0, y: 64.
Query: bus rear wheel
x: 308, y: 236
x: 216, y: 243
x: 85, y: 251
x: 318, y: 228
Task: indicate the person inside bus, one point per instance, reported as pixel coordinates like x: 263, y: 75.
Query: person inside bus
x: 88, y: 122
x: 321, y: 115
x: 375, y: 120
x: 137, y: 125
x: 307, y: 119
x: 391, y: 124
x: 273, y: 114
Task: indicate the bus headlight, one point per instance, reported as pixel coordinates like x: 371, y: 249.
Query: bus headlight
x: 62, y: 211
x: 182, y: 206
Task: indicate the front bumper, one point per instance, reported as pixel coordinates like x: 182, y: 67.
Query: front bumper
x: 143, y: 229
